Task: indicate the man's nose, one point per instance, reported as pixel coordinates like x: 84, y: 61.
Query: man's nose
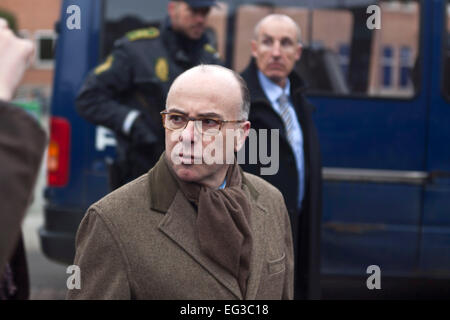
x: 189, y: 134
x: 200, y: 17
x: 276, y: 49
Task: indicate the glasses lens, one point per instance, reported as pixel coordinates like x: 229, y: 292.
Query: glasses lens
x: 209, y: 127
x: 175, y: 121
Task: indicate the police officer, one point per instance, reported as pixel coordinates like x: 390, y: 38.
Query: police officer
x: 127, y: 92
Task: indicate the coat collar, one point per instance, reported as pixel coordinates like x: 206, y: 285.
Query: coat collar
x: 179, y: 224
x: 162, y: 195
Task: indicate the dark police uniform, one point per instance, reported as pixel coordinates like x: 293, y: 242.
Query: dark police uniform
x: 127, y: 92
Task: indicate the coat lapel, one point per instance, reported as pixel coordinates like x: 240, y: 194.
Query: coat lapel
x: 179, y: 225
x: 179, y: 222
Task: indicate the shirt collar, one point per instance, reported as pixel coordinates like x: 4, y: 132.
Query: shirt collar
x: 272, y: 90
x: 223, y: 185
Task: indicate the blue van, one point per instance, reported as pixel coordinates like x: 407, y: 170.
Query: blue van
x: 379, y: 75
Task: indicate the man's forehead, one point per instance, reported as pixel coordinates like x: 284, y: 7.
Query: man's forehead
x: 276, y: 35
x: 198, y: 102
x: 278, y: 28
x: 205, y: 88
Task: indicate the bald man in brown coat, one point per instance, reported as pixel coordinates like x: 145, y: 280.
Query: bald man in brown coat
x: 190, y: 228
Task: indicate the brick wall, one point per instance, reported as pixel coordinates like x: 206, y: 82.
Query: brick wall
x: 31, y: 17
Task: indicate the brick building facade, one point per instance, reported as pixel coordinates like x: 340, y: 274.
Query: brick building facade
x: 35, y: 20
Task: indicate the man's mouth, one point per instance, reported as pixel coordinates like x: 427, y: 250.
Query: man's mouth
x: 198, y: 28
x: 189, y: 158
x: 276, y: 65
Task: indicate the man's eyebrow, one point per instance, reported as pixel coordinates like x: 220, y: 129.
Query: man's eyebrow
x: 265, y: 35
x: 287, y: 39
x: 210, y: 114
x: 205, y: 114
x: 176, y: 110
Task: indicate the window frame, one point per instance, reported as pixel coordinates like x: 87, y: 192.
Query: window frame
x: 387, y: 64
x: 38, y: 62
x: 417, y: 91
x: 404, y: 64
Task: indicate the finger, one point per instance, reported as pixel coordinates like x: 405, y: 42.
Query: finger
x: 29, y: 51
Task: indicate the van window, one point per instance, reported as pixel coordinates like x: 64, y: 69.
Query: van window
x: 45, y: 44
x: 341, y: 55
x: 118, y: 18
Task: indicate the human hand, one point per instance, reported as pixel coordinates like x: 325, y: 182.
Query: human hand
x: 15, y: 54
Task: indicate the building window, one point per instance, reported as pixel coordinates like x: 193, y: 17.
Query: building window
x: 387, y: 62
x: 45, y: 49
x: 405, y: 67
x: 344, y: 58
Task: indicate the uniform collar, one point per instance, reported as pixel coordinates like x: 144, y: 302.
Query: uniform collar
x: 181, y: 47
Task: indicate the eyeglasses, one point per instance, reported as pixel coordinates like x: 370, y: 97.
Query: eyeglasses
x: 208, y: 126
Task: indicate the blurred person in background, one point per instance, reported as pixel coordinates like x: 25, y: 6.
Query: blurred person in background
x: 278, y: 103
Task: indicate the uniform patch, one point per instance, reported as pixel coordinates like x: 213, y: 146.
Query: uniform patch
x: 162, y: 69
x: 209, y: 48
x: 105, y: 65
x: 149, y: 33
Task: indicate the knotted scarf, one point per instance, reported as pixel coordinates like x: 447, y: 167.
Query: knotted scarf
x: 223, y: 222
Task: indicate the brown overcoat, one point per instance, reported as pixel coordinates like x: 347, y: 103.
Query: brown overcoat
x: 139, y: 242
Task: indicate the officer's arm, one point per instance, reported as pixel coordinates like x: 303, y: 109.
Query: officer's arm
x: 98, y: 102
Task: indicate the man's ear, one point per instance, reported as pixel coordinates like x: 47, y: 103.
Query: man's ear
x: 299, y: 51
x: 254, y: 47
x: 243, y: 134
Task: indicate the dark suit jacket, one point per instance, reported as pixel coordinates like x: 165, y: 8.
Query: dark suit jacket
x: 305, y: 224
x: 22, y: 144
x: 140, y: 242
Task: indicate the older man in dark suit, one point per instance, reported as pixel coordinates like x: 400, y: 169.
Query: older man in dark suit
x: 195, y: 226
x: 278, y: 103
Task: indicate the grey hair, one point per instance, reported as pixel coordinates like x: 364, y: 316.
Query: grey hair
x: 277, y: 16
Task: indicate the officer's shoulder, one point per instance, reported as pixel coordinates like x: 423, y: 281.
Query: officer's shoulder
x: 133, y: 36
